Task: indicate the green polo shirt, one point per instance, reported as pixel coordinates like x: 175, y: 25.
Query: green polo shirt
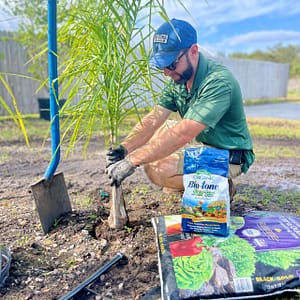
x: 216, y: 101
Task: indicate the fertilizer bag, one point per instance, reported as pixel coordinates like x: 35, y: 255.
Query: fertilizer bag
x: 205, y: 201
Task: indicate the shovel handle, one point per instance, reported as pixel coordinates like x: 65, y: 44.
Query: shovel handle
x: 53, y: 84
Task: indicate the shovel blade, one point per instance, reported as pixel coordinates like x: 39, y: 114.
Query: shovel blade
x: 51, y: 199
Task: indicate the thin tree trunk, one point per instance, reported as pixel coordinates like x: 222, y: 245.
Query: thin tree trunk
x: 118, y: 217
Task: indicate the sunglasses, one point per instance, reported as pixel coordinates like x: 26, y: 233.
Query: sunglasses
x: 173, y: 65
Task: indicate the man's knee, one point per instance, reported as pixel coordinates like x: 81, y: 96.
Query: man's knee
x: 160, y: 172
x: 150, y: 173
x: 155, y: 173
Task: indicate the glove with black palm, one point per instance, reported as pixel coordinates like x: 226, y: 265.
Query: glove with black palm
x: 118, y: 171
x: 115, y: 155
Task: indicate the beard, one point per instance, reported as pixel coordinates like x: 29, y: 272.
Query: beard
x: 186, y: 75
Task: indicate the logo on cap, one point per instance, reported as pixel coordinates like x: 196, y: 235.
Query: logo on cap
x: 161, y: 38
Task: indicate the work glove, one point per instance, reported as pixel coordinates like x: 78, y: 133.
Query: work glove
x: 115, y: 155
x: 119, y: 171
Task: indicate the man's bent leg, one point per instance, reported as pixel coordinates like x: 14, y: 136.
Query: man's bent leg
x: 164, y: 173
x: 168, y: 172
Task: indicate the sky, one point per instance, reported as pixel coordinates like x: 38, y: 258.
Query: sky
x: 7, y: 22
x: 241, y: 25
x: 231, y: 25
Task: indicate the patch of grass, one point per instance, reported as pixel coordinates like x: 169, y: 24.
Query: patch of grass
x: 276, y: 130
x: 263, y: 101
x: 276, y: 151
x: 268, y: 199
x: 265, y: 128
x: 27, y: 116
x: 35, y: 128
x: 56, y: 223
x: 294, y: 95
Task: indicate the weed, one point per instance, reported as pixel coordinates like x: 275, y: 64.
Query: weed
x: 70, y: 261
x: 39, y: 226
x: 13, y: 213
x: 55, y: 223
x: 23, y: 239
x: 93, y: 217
x: 138, y: 193
x: 142, y: 190
x: 128, y: 229
x: 83, y: 202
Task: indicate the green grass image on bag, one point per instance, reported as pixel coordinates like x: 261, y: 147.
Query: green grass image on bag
x: 241, y: 254
x: 282, y: 258
x: 192, y: 271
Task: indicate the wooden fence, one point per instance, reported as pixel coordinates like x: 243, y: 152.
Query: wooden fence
x: 257, y: 79
x: 13, y: 69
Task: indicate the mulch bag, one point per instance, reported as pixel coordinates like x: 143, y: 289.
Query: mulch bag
x: 206, y: 201
x: 259, y: 258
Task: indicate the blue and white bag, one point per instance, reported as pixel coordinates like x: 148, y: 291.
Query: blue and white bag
x: 206, y: 201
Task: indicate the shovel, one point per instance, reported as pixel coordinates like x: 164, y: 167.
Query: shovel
x: 50, y: 193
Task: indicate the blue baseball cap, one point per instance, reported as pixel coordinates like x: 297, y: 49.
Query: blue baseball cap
x: 169, y: 39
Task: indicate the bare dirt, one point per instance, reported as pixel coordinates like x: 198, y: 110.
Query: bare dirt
x: 48, y: 266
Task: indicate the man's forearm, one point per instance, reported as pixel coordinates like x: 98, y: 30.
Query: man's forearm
x: 137, y: 137
x: 144, y: 130
x: 166, y: 143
